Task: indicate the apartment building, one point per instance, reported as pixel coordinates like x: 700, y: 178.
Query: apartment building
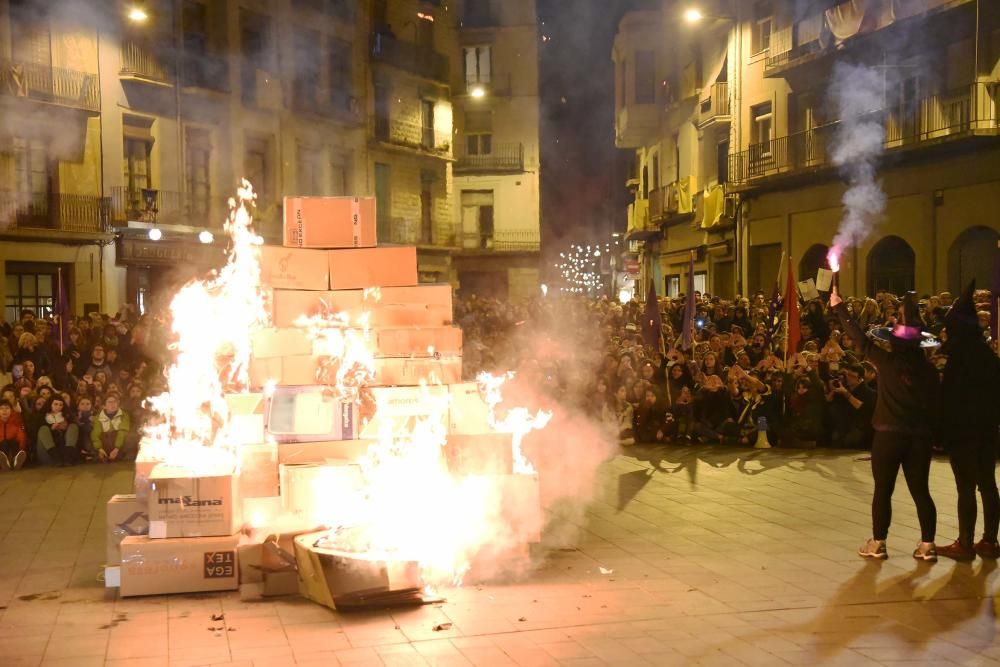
x: 497, y: 120
x: 939, y: 61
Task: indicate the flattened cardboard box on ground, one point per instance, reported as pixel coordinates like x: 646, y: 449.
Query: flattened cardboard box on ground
x: 127, y: 516
x: 310, y: 413
x: 342, y: 580
x: 186, y: 503
x: 359, y: 268
x: 294, y: 268
x: 329, y: 222
x: 184, y: 565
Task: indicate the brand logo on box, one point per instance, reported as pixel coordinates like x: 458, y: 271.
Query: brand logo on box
x: 188, y: 501
x: 220, y: 564
x: 347, y: 421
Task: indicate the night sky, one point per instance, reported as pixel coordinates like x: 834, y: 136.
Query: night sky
x: 583, y: 174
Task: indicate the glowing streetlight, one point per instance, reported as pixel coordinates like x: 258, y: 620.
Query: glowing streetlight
x: 155, y: 234
x: 205, y: 236
x: 693, y: 15
x: 478, y: 92
x: 137, y: 14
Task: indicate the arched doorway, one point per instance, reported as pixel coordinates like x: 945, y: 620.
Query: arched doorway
x: 812, y: 261
x: 972, y: 256
x: 891, y: 266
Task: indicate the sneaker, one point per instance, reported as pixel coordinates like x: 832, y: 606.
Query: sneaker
x: 987, y: 549
x: 926, y: 551
x: 874, y: 549
x: 19, y: 459
x: 957, y: 551
x: 4, y: 461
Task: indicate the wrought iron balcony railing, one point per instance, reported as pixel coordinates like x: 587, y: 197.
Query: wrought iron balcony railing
x: 502, y: 241
x: 414, y: 58
x: 410, y: 135
x: 504, y: 156
x: 55, y: 211
x: 146, y: 205
x: 142, y: 62
x: 54, y: 85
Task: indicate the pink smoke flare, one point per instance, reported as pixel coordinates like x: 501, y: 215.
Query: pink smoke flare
x: 833, y: 258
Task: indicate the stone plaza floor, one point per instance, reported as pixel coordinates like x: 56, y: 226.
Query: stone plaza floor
x: 693, y: 555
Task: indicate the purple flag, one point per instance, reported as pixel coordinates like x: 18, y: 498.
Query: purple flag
x: 62, y: 314
x: 652, y: 325
x: 687, y: 331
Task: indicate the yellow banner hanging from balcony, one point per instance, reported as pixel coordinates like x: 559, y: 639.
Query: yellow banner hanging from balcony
x: 684, y: 202
x: 713, y: 205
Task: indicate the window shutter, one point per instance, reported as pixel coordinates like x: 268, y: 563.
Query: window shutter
x: 471, y: 75
x: 484, y: 64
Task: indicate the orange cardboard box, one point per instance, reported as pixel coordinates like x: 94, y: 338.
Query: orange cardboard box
x: 178, y: 565
x: 426, y: 295
x: 358, y: 268
x: 279, y: 342
x: 289, y: 370
x: 289, y: 305
x: 329, y: 222
x: 294, y: 268
x: 408, y: 372
x: 321, y: 452
x: 417, y: 341
x: 410, y: 315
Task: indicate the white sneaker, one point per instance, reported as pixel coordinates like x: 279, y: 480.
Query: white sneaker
x: 925, y: 551
x: 874, y: 549
x: 19, y: 459
x: 4, y: 461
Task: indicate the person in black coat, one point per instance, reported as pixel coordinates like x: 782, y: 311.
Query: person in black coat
x: 904, y: 422
x: 969, y: 401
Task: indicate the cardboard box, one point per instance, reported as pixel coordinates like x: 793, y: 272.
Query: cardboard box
x: 259, y: 513
x: 358, y: 268
x: 294, y: 268
x: 324, y: 451
x: 288, y: 371
x: 416, y: 342
x: 425, y: 295
x: 126, y: 516
x: 263, y: 371
x: 342, y: 580
x: 186, y: 565
x: 484, y: 454
x: 318, y: 491
x: 410, y: 315
x: 402, y: 372
x: 310, y: 414
x: 287, y: 306
x: 279, y: 342
x: 140, y: 483
x: 246, y: 419
x: 183, y: 503
x: 396, y: 409
x: 329, y: 222
x: 258, y: 470
x: 469, y: 411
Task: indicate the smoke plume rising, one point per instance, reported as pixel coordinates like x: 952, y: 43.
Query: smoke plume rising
x: 857, y: 93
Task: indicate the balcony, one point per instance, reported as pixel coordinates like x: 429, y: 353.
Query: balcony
x: 320, y: 102
x: 54, y: 211
x: 413, y: 58
x: 715, y: 109
x: 140, y: 63
x: 411, y: 232
x: 507, y: 157
x: 205, y: 71
x: 950, y: 116
x: 636, y: 125
x: 412, y: 136
x: 527, y: 240
x: 52, y: 85
x: 146, y: 205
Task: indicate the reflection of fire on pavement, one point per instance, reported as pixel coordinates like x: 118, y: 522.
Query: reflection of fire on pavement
x: 315, y: 423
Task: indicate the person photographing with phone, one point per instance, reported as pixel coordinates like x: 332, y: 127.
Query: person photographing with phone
x: 907, y: 399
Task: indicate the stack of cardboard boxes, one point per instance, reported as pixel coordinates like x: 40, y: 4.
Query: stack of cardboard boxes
x: 201, y: 532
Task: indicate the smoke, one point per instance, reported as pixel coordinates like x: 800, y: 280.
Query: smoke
x: 857, y: 93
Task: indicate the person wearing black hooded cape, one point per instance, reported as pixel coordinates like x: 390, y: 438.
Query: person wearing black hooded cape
x: 904, y: 421
x: 970, y: 418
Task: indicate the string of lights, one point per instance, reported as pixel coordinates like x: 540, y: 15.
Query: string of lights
x: 580, y: 268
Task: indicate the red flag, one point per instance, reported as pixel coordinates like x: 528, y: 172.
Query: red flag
x: 791, y: 308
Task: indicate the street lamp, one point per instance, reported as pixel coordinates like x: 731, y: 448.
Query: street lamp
x: 478, y: 92
x: 155, y: 234
x: 137, y: 14
x: 206, y: 236
x: 693, y: 15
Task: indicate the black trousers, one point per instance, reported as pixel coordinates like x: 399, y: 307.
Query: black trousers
x: 974, y: 460
x: 10, y: 448
x: 890, y: 451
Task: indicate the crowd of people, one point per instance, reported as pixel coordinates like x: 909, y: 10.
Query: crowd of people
x: 74, y: 395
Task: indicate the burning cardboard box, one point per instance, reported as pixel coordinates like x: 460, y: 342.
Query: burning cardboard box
x: 324, y: 451
x: 188, y: 503
x: 342, y: 579
x: 126, y: 517
x: 469, y: 411
x: 416, y: 342
x: 389, y: 316
x: 403, y: 372
x: 294, y: 268
x: 188, y: 565
x: 329, y: 222
x: 485, y: 454
x: 320, y: 491
x: 359, y: 268
x: 426, y: 295
x: 310, y: 414
x: 288, y: 306
x: 268, y: 568
x: 279, y: 342
x: 258, y: 470
x: 143, y: 469
x: 246, y: 419
x: 397, y: 409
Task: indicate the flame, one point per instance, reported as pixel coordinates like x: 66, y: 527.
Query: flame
x: 833, y: 258
x: 211, y: 321
x: 518, y: 421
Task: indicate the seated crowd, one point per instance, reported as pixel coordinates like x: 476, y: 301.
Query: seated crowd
x: 734, y: 383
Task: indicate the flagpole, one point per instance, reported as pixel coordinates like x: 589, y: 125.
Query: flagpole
x: 788, y: 314
x: 61, y: 307
x: 781, y: 264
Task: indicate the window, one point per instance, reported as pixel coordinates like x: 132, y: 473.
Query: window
x: 382, y: 104
x: 673, y: 285
x: 479, y: 132
x: 761, y: 127
x: 340, y: 66
x: 383, y: 202
x: 195, y: 20
x: 255, y: 41
x: 645, y: 77
x: 427, y: 123
x: 199, y: 153
x: 33, y: 172
x: 257, y: 167
x: 623, y: 84
x: 307, y: 67
x: 477, y: 13
x: 763, y: 14
x: 33, y: 289
x: 308, y: 170
x: 477, y: 219
x: 425, y: 30
x: 339, y: 174
x: 426, y: 207
x: 479, y: 144
x: 700, y: 281
x: 477, y: 65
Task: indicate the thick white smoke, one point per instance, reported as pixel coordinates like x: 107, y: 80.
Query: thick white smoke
x: 857, y: 91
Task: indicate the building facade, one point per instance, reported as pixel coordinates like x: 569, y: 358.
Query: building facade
x: 777, y: 129
x: 121, y: 118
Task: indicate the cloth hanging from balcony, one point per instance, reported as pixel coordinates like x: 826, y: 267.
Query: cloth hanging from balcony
x: 852, y: 17
x: 17, y: 85
x: 713, y: 206
x: 684, y: 202
x: 715, y: 73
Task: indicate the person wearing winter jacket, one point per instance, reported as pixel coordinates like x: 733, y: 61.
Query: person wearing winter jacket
x: 13, y: 440
x: 109, y: 435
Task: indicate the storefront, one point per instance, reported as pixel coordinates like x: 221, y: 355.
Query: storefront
x: 154, y: 270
